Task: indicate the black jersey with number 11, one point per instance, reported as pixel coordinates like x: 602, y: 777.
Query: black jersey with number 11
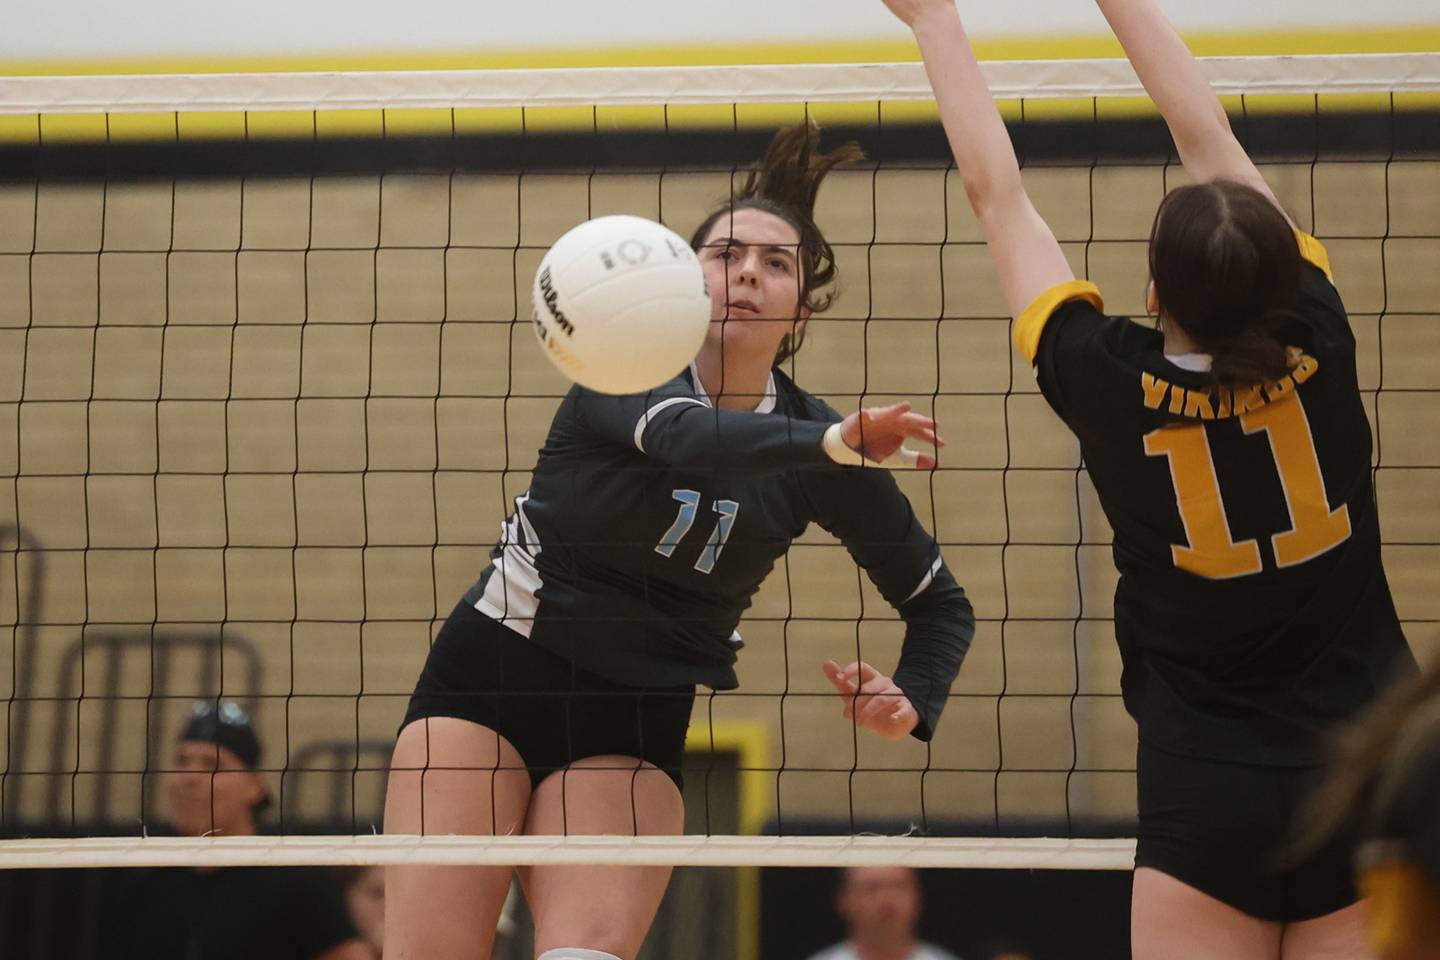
x: 652, y: 520
x: 1252, y: 611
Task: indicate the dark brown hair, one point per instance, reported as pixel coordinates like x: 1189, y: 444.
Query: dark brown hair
x: 1372, y: 761
x: 785, y: 184
x: 1226, y: 267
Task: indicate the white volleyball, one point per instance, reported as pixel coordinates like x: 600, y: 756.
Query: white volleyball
x: 620, y: 304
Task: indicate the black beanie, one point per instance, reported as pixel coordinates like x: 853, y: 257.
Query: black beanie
x: 225, y: 723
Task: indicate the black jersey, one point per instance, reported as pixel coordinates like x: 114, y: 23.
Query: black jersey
x: 1252, y: 610
x: 652, y: 520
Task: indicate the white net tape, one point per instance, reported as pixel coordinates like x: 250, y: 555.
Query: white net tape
x: 690, y: 851
x: 817, y: 83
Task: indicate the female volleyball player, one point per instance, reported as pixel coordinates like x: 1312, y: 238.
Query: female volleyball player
x: 1231, y: 453
x: 556, y: 698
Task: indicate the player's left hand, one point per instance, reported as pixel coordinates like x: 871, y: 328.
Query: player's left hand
x: 880, y: 432
x: 872, y: 700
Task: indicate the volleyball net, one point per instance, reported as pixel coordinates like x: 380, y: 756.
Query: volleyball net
x: 268, y: 387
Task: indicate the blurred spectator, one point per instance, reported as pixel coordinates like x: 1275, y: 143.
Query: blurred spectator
x: 364, y: 891
x: 881, y: 909
x: 1384, y: 786
x: 214, y: 788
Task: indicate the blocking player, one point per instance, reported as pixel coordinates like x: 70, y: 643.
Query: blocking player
x: 1232, y: 456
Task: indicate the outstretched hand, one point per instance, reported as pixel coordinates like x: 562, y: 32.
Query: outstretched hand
x: 879, y: 432
x: 872, y: 700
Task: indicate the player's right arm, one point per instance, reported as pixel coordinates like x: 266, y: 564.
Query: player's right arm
x: 672, y: 426
x: 867, y: 512
x: 1026, y: 254
x: 1206, y: 144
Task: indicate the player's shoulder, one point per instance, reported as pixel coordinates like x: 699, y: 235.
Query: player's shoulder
x: 800, y: 403
x: 1321, y: 324
x: 680, y: 385
x: 1070, y: 318
x: 590, y: 406
x: 1319, y: 296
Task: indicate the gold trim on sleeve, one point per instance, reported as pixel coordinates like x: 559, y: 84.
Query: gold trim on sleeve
x: 1030, y: 324
x: 1314, y: 252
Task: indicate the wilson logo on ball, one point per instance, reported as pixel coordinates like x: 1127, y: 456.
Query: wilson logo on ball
x: 551, y: 298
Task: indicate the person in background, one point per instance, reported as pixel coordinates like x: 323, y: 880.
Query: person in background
x: 881, y: 908
x: 214, y: 788
x: 364, y: 892
x: 1384, y: 785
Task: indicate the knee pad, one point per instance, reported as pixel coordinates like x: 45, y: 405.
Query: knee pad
x: 576, y: 953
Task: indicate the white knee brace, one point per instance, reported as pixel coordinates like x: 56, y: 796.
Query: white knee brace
x: 576, y: 953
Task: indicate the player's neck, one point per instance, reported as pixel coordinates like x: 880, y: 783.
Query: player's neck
x: 734, y: 383
x: 1177, y: 341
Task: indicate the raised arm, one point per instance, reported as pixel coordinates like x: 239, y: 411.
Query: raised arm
x: 1192, y: 111
x: 1026, y: 255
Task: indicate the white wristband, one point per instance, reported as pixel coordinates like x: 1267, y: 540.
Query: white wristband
x: 841, y: 452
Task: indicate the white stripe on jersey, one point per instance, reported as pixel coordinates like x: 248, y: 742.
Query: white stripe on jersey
x: 510, y: 591
x: 517, y: 531
x: 532, y: 539
x: 645, y: 418
x: 926, y: 580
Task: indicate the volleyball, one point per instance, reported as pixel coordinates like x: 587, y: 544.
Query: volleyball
x: 620, y: 304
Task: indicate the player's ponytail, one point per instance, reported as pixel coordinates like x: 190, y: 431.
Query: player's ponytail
x: 1226, y: 267
x: 1254, y: 355
x: 786, y: 183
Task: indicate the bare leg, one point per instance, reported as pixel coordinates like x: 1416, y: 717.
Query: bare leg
x: 1335, y: 936
x: 1171, y: 920
x: 600, y: 908
x: 450, y: 776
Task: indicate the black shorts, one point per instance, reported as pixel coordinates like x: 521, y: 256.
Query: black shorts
x: 550, y: 710
x: 1227, y: 828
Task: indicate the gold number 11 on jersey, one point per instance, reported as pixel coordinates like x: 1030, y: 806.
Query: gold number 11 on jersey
x: 1211, y: 552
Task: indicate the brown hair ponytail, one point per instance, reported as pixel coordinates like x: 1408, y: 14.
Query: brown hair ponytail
x: 786, y: 183
x: 1226, y: 267
x: 1255, y: 355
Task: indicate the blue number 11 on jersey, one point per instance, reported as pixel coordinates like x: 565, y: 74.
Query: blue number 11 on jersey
x: 689, y: 501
